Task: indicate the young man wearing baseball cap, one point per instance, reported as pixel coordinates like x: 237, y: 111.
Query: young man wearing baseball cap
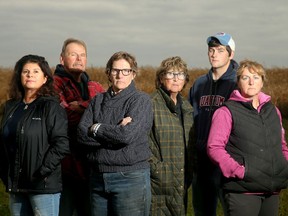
x: 206, y: 95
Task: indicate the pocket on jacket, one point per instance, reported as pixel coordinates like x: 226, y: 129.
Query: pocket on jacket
x: 162, y: 178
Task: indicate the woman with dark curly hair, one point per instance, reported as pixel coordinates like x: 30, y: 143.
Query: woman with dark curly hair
x: 33, y: 140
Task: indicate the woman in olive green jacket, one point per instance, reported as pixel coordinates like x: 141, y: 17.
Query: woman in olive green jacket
x: 170, y: 140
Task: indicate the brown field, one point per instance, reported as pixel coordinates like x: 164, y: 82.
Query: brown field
x: 276, y: 86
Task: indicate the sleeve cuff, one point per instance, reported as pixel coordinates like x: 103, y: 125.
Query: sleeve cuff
x: 95, y: 128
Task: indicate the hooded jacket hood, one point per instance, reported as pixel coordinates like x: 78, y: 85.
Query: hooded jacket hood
x: 236, y: 96
x: 228, y: 75
x: 207, y: 95
x: 61, y: 72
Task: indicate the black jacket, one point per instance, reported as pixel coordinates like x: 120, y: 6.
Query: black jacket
x: 207, y: 95
x: 41, y: 143
x: 255, y: 142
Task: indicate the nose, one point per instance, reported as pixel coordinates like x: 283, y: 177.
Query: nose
x: 29, y: 73
x: 251, y: 80
x: 175, y: 77
x: 119, y: 74
x: 78, y: 57
x: 213, y: 53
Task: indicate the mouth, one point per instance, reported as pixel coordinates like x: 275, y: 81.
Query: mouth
x: 78, y: 65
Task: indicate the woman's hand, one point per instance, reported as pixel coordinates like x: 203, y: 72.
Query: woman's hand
x: 126, y: 121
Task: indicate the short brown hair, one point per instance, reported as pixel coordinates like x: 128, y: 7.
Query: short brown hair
x: 121, y: 55
x: 174, y: 62
x: 72, y: 40
x: 214, y: 42
x: 253, y: 67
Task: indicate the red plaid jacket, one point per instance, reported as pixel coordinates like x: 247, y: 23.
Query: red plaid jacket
x: 69, y: 91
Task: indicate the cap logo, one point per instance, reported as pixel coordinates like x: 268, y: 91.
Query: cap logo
x: 220, y: 33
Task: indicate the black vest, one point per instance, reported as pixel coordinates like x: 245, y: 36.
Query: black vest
x: 255, y: 142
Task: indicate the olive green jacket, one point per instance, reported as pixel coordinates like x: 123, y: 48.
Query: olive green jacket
x: 171, y: 162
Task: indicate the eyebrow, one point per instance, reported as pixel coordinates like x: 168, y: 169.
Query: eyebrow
x: 218, y: 48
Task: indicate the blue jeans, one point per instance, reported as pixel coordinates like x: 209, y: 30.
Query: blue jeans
x: 121, y: 193
x: 27, y: 204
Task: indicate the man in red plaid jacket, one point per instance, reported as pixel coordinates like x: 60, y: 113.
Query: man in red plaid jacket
x: 75, y: 91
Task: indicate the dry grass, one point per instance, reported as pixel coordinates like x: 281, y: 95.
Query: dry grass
x: 276, y: 86
x: 4, y: 83
x: 145, y: 81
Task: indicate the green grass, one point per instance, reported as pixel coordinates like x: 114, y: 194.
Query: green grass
x: 4, y: 209
x: 190, y: 208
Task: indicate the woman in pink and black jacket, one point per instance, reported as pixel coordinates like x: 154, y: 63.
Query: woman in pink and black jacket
x: 247, y: 142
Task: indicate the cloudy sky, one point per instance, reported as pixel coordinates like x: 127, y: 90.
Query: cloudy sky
x: 152, y: 30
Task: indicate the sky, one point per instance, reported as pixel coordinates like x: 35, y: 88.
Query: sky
x: 151, y: 30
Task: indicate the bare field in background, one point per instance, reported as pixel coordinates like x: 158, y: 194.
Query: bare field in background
x: 277, y: 85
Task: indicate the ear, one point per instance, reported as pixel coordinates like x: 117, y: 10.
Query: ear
x: 45, y: 79
x: 262, y: 84
x: 161, y: 80
x: 134, y: 75
x: 232, y: 55
x: 61, y: 60
x: 109, y: 77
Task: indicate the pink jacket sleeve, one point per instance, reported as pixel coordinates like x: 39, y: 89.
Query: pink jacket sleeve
x: 218, y: 137
x: 284, y: 143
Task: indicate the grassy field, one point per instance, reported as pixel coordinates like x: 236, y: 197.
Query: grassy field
x: 4, y: 210
x: 276, y: 87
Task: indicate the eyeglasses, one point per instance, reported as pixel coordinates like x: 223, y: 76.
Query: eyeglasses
x: 179, y: 75
x: 125, y: 72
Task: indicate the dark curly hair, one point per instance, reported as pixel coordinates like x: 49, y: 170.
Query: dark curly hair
x: 17, y: 91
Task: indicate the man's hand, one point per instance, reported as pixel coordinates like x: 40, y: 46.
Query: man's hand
x: 74, y: 105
